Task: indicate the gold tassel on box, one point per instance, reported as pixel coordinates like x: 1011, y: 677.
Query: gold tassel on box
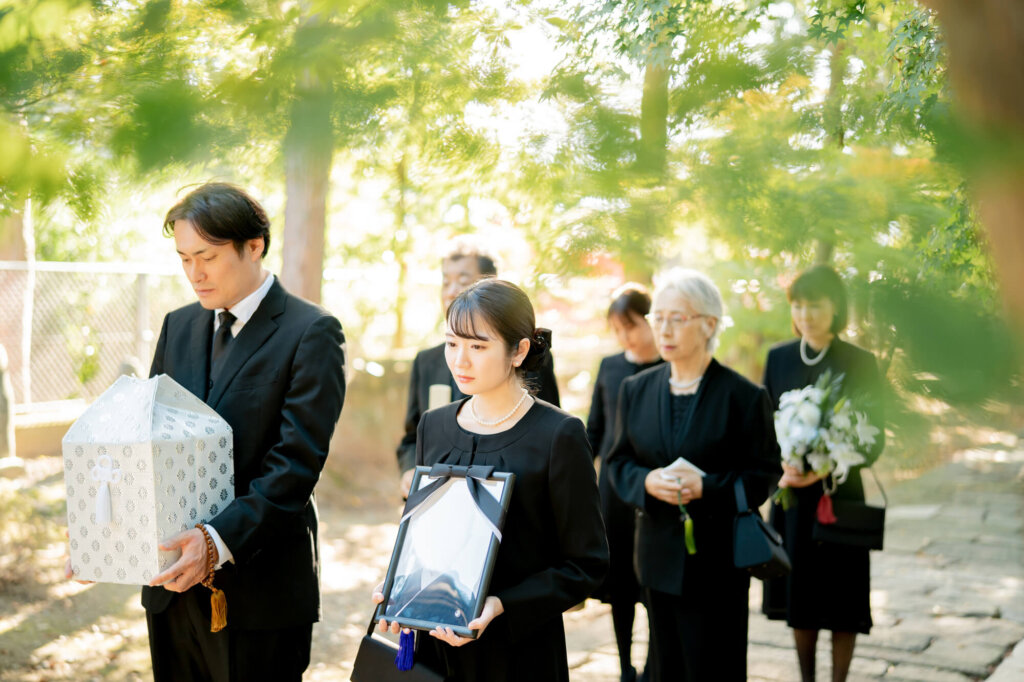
x: 218, y: 602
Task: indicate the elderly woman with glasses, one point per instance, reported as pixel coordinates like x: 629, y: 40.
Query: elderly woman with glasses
x: 686, y: 431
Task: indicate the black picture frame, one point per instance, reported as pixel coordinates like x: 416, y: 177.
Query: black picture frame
x: 444, y: 555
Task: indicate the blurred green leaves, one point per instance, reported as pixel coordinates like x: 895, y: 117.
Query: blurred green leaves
x: 777, y: 133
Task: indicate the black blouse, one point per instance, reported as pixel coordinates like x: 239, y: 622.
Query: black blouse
x: 428, y: 368
x: 553, y: 551
x: 613, y: 371
x: 784, y: 371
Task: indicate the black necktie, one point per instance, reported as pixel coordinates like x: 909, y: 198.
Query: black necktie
x: 221, y: 340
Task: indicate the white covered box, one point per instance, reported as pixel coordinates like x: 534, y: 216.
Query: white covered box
x: 144, y: 462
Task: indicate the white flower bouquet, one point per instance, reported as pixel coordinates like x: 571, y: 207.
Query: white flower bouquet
x: 821, y: 431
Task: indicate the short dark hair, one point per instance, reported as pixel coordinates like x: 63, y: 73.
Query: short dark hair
x: 819, y: 282
x: 220, y: 213
x: 464, y: 247
x: 629, y: 301
x: 507, y: 310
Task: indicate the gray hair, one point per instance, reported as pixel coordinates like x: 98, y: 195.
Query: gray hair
x: 700, y: 292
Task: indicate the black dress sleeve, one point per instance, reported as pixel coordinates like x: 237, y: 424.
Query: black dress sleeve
x: 766, y: 381
x: 595, y: 420
x: 157, y: 367
x: 872, y: 392
x: 576, y: 520
x: 625, y: 472
x: 757, y: 463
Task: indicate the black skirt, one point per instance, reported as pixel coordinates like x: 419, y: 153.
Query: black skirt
x: 830, y: 584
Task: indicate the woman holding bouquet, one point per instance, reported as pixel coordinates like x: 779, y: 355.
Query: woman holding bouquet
x: 829, y: 585
x: 693, y: 408
x: 553, y: 551
x: 626, y: 314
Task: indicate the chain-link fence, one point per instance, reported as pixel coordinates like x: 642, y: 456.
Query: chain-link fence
x: 70, y: 328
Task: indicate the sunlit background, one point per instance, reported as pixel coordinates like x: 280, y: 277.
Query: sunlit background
x: 584, y: 143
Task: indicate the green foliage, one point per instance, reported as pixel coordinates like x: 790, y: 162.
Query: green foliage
x: 777, y: 133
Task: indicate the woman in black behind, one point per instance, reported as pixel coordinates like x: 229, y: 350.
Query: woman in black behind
x: 553, y: 551
x: 695, y: 408
x: 626, y: 314
x: 829, y: 585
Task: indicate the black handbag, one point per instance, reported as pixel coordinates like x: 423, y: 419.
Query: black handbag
x: 857, y: 524
x: 375, y: 662
x: 756, y: 546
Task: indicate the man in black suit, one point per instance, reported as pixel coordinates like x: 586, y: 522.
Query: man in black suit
x: 465, y: 264
x: 272, y: 365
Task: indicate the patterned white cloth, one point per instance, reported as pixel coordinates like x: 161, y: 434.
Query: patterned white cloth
x: 144, y: 462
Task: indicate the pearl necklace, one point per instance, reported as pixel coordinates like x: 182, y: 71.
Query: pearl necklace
x: 481, y: 422
x: 811, y: 362
x: 684, y: 385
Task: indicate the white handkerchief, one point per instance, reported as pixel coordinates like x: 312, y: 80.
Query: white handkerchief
x: 680, y: 465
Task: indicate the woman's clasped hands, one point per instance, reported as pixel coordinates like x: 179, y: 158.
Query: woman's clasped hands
x: 674, y: 487
x: 492, y: 609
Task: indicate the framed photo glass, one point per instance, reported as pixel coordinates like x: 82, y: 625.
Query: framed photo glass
x: 447, y: 543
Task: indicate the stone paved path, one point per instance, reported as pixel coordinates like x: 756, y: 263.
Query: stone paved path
x: 947, y: 593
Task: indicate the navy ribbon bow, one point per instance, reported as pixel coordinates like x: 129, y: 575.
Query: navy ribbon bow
x: 484, y: 501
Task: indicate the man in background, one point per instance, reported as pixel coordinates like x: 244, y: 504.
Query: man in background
x: 431, y: 384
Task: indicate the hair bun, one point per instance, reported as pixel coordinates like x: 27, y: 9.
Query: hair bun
x: 542, y: 339
x: 540, y: 344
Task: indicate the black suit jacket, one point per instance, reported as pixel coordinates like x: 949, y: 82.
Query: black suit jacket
x: 280, y: 386
x: 430, y: 368
x: 731, y: 435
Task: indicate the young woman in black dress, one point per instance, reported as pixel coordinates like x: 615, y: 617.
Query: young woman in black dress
x: 553, y: 550
x: 695, y: 408
x: 829, y: 585
x: 626, y: 315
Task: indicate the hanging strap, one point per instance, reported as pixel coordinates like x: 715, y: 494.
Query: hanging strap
x: 741, y: 496
x: 878, y: 482
x: 373, y: 623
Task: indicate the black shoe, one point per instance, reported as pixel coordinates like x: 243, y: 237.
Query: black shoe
x: 629, y: 675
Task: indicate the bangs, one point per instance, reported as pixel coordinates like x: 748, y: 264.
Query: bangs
x: 816, y: 284
x: 627, y: 319
x: 462, y: 320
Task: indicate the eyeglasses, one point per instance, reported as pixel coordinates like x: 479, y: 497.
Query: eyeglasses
x: 672, y: 320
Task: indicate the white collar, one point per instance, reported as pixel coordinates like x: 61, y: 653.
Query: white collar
x: 246, y: 308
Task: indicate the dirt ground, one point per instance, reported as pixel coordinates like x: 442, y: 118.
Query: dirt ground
x: 53, y: 629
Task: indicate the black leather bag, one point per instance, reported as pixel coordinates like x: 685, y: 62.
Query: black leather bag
x: 756, y: 546
x: 857, y: 524
x: 375, y: 662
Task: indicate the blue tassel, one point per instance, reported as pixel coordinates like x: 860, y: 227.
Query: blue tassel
x: 406, y: 646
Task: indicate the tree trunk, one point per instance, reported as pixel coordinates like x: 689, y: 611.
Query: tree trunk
x: 653, y: 151
x: 835, y: 131
x: 17, y: 243
x: 646, y: 219
x: 985, y: 39
x: 399, y: 247
x: 308, y: 150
